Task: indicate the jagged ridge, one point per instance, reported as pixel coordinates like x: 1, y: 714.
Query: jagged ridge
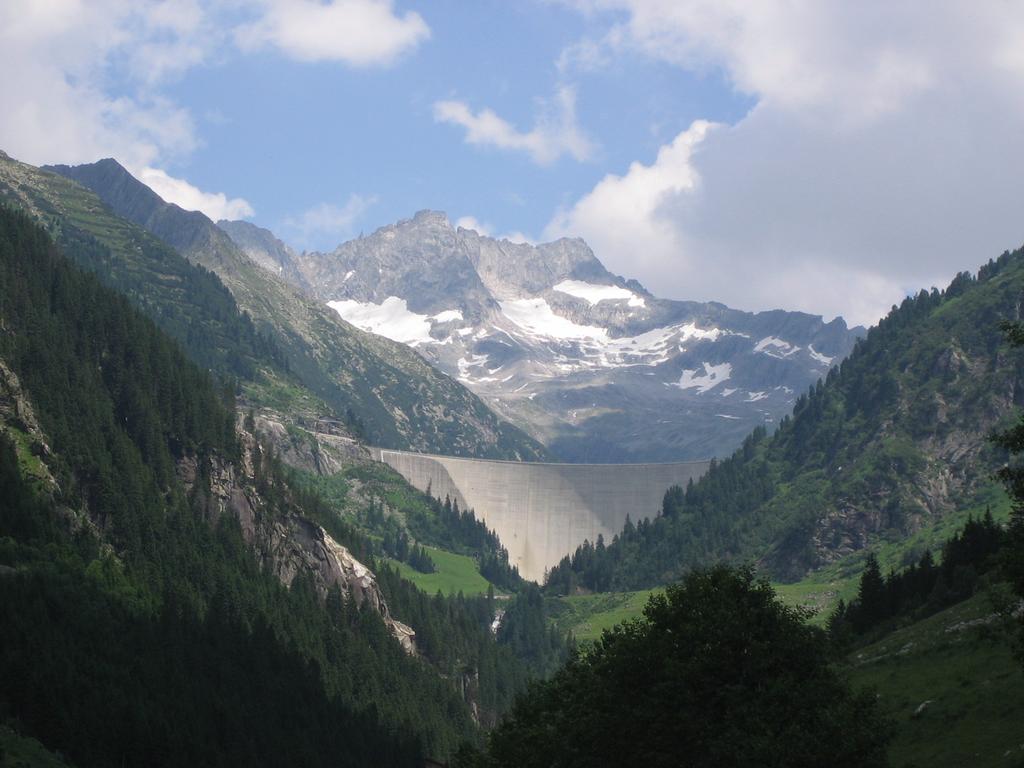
x: 591, y: 364
x: 400, y: 399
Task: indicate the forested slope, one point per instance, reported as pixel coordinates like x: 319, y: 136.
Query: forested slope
x: 400, y: 399
x: 161, y: 596
x: 893, y: 439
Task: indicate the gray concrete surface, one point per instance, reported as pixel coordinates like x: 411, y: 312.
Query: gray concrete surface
x: 542, y: 512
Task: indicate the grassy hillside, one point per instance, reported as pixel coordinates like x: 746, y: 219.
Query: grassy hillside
x: 586, y: 615
x: 455, y: 573
x: 952, y: 687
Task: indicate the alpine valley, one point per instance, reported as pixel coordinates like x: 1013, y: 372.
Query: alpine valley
x: 203, y: 562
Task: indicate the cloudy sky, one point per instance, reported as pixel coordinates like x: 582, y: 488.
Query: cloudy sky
x: 823, y: 156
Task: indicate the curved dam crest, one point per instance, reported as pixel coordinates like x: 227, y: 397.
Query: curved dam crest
x: 542, y: 512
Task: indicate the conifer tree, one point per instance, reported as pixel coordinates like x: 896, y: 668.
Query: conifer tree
x: 1012, y: 476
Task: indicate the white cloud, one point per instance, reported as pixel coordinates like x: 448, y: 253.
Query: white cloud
x: 623, y: 217
x: 882, y: 154
x: 584, y: 56
x: 63, y: 57
x: 555, y: 133
x: 325, y: 225
x: 216, y: 205
x: 859, y: 59
x: 360, y: 33
x: 57, y: 107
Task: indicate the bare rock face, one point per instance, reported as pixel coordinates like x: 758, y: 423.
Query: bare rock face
x: 590, y: 364
x: 289, y: 544
x: 18, y: 418
x: 298, y: 545
x: 312, y: 448
x: 16, y: 411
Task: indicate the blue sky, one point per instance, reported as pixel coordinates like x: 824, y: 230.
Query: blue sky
x: 825, y: 156
x: 288, y: 136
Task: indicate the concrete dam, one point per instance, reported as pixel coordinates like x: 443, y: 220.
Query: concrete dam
x: 542, y: 512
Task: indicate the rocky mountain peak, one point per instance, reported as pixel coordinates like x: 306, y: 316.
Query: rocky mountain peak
x: 590, y: 363
x: 431, y: 218
x: 516, y: 270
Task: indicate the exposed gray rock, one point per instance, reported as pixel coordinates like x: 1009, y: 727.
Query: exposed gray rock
x: 264, y: 248
x: 16, y: 411
x: 318, y: 451
x: 590, y: 364
x: 289, y: 544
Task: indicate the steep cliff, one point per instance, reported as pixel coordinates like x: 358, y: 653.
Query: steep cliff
x: 286, y: 544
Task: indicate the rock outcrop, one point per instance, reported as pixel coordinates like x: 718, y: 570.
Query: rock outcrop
x: 288, y: 544
x: 18, y: 419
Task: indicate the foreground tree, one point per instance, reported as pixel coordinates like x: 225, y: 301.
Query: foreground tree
x: 1012, y: 476
x: 717, y: 673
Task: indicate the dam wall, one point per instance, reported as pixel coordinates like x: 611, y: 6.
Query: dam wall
x: 542, y: 512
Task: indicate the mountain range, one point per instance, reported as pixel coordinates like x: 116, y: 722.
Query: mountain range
x: 590, y: 364
x: 198, y: 558
x: 327, y: 367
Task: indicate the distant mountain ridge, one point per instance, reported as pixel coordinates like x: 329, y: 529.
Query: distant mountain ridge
x: 591, y: 364
x: 403, y: 401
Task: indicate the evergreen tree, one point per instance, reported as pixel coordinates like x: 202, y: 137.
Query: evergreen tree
x: 1012, y: 475
x: 872, y: 598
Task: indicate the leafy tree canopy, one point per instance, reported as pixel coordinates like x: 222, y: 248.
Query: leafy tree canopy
x: 717, y: 672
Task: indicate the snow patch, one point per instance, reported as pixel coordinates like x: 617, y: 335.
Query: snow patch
x: 726, y: 416
x: 474, y: 361
x: 823, y: 359
x: 391, y: 318
x: 728, y: 391
x: 448, y: 316
x: 593, y: 346
x: 712, y: 376
x: 691, y: 331
x: 755, y: 396
x: 594, y: 294
x: 536, y: 317
x: 775, y: 347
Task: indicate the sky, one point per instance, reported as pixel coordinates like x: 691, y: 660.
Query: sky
x: 823, y: 156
